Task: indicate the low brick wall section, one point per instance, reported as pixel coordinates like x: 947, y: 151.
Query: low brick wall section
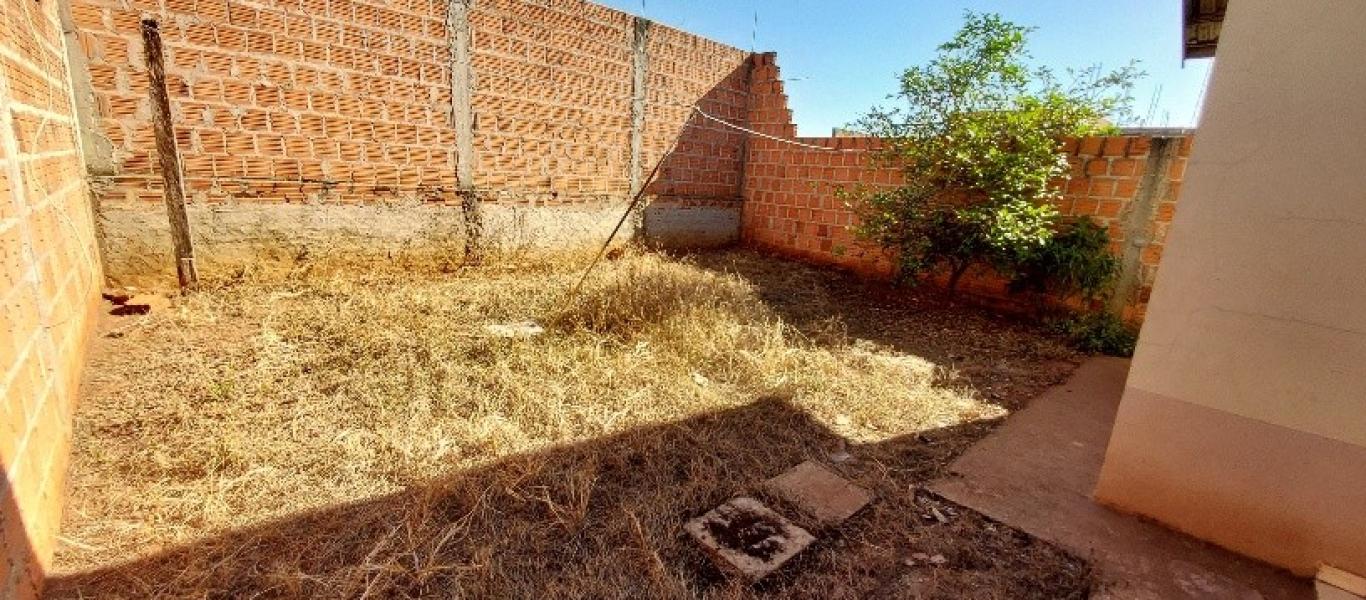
x: 1128, y: 184
x: 549, y: 110
x: 49, y: 285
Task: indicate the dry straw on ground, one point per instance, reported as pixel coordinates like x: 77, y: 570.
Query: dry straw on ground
x: 350, y: 434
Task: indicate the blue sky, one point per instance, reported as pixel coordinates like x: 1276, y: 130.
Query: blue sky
x: 841, y: 57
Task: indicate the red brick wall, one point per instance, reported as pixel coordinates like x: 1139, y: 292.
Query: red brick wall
x: 707, y: 164
x: 1107, y: 175
x: 49, y: 281
x: 552, y: 100
x: 791, y: 203
x: 272, y: 99
x: 348, y: 103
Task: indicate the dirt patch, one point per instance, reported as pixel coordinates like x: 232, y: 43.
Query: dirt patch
x: 360, y: 433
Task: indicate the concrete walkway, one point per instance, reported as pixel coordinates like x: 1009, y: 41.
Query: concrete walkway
x: 1037, y: 473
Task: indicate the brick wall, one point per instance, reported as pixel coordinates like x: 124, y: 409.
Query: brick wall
x: 707, y: 161
x: 552, y: 98
x: 1128, y: 184
x: 281, y: 101
x: 49, y: 281
x: 696, y: 195
x: 344, y: 108
x: 331, y: 103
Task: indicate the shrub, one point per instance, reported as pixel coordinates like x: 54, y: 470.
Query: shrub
x: 1075, y: 261
x: 979, y: 120
x: 1100, y: 332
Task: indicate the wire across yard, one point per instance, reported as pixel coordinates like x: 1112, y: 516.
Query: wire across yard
x: 347, y: 434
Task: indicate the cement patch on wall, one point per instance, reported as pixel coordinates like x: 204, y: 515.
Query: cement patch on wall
x: 230, y: 237
x: 675, y: 226
x: 512, y: 229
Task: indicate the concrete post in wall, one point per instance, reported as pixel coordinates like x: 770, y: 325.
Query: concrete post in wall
x: 1137, y: 223
x: 96, y: 149
x: 640, y: 65
x: 743, y: 184
x: 462, y: 119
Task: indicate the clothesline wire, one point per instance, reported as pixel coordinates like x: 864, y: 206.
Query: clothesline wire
x: 766, y: 136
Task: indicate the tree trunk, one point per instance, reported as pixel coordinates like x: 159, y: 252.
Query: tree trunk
x: 956, y: 275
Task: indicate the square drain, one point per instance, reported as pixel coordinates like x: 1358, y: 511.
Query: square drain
x: 745, y: 537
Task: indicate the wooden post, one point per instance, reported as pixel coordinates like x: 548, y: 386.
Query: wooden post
x: 170, y: 156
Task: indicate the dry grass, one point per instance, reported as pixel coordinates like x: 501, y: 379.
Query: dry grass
x: 355, y: 434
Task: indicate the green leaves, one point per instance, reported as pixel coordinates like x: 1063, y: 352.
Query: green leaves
x: 977, y: 133
x: 1075, y: 261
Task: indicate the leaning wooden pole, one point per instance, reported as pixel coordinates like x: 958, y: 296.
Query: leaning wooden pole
x: 169, y: 155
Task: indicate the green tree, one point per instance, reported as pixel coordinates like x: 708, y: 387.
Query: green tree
x: 978, y: 132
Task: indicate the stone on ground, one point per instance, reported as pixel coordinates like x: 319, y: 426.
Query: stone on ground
x: 820, y: 493
x: 523, y: 329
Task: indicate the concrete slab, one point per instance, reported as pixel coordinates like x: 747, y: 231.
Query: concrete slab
x: 1330, y: 592
x: 819, y: 492
x: 746, y: 538
x: 1336, y: 584
x: 1037, y: 473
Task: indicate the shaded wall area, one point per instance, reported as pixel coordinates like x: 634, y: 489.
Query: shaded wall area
x: 49, y: 281
x: 1127, y: 184
x: 696, y: 195
x: 311, y: 128
x: 1243, y: 420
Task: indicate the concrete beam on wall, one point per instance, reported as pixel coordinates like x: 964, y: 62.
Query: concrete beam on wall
x: 462, y: 75
x: 269, y: 237
x: 96, y: 149
x: 640, y: 66
x: 462, y: 119
x: 1137, y: 223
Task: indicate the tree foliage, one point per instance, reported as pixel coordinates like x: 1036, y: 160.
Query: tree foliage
x: 977, y: 132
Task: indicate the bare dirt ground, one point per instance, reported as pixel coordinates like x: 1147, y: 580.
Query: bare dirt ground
x: 362, y: 434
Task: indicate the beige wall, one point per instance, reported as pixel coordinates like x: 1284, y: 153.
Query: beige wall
x: 1244, y: 420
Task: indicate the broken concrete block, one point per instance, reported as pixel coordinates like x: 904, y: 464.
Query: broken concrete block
x: 746, y: 538
x: 116, y: 296
x: 818, y: 492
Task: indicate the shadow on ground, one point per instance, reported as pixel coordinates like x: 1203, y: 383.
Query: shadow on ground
x: 573, y: 522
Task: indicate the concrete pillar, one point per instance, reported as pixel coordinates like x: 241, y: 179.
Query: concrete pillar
x: 462, y: 119
x: 96, y: 149
x: 640, y: 66
x: 1137, y: 223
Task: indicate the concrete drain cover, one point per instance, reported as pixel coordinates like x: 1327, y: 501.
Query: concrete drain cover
x: 745, y: 537
x: 819, y: 492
